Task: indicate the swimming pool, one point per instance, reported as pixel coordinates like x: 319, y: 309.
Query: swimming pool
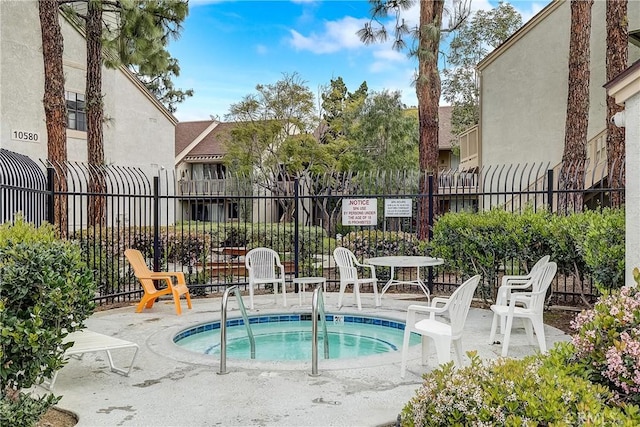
x: 282, y: 337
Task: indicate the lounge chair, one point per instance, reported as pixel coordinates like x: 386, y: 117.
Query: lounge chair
x: 147, y: 277
x: 86, y: 341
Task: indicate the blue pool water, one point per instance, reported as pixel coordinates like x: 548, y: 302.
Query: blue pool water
x: 288, y: 337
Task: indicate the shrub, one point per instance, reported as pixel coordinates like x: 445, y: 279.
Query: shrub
x: 538, y: 390
x: 476, y: 243
x: 46, y: 291
x: 603, y: 248
x: 370, y: 243
x: 607, y: 342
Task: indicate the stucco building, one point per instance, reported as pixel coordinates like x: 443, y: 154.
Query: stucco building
x: 523, y: 92
x: 138, y: 130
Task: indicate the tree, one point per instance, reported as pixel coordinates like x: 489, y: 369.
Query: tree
x: 473, y: 40
x: 428, y: 88
x: 272, y: 136
x: 55, y: 108
x: 162, y: 87
x: 577, y: 121
x: 384, y: 135
x: 139, y: 39
x: 95, y: 111
x: 337, y: 104
x: 140, y: 43
x: 616, y: 62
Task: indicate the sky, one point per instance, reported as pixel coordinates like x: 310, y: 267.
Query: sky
x: 226, y: 48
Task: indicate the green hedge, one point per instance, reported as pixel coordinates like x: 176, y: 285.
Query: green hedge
x: 589, y: 243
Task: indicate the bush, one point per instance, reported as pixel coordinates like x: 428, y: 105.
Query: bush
x: 538, y: 390
x: 603, y: 248
x: 476, y: 243
x: 607, y: 342
x: 371, y: 243
x: 483, y: 243
x: 47, y: 291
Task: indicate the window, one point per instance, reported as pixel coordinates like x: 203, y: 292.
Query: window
x: 232, y: 210
x: 213, y: 170
x: 77, y: 117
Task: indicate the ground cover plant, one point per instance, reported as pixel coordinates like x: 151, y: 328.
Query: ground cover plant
x: 46, y: 291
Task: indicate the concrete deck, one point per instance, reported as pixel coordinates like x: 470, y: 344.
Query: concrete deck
x: 169, y: 386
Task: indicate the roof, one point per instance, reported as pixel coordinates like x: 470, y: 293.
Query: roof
x: 444, y: 127
x: 202, y: 139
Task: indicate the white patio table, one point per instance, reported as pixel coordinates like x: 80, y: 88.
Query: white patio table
x: 404, y: 262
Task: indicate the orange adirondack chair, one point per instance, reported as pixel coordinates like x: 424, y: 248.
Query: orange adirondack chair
x: 146, y: 278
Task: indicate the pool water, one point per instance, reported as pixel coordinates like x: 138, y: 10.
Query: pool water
x: 288, y: 337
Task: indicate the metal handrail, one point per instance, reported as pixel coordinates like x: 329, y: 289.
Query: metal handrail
x: 223, y: 327
x: 317, y: 310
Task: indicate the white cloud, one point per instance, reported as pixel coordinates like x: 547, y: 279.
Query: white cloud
x: 262, y: 49
x: 390, y: 55
x: 336, y: 35
x: 386, y: 59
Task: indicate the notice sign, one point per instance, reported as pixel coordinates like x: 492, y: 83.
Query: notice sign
x: 360, y: 212
x: 397, y: 208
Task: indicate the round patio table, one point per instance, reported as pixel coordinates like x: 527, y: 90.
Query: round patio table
x: 405, y: 262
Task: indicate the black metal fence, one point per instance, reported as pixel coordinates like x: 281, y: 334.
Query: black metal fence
x: 202, y: 227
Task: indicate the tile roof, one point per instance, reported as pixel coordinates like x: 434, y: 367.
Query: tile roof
x: 211, y: 145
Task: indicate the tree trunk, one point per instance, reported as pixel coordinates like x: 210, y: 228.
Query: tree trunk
x: 616, y: 59
x: 577, y: 121
x: 95, y: 146
x: 428, y: 93
x: 55, y: 108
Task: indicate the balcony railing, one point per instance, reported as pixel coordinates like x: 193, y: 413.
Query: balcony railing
x: 208, y: 187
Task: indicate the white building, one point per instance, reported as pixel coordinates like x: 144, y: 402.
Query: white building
x: 524, y: 85
x: 523, y: 96
x: 139, y: 131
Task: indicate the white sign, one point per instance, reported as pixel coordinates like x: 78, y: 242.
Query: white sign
x: 360, y: 212
x: 25, y: 135
x: 398, y: 208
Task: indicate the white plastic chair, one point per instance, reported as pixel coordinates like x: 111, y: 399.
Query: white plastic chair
x: 532, y: 311
x: 348, y: 265
x: 264, y: 267
x: 443, y: 334
x: 518, y: 283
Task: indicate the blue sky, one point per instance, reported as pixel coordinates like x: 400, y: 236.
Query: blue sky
x: 226, y: 48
